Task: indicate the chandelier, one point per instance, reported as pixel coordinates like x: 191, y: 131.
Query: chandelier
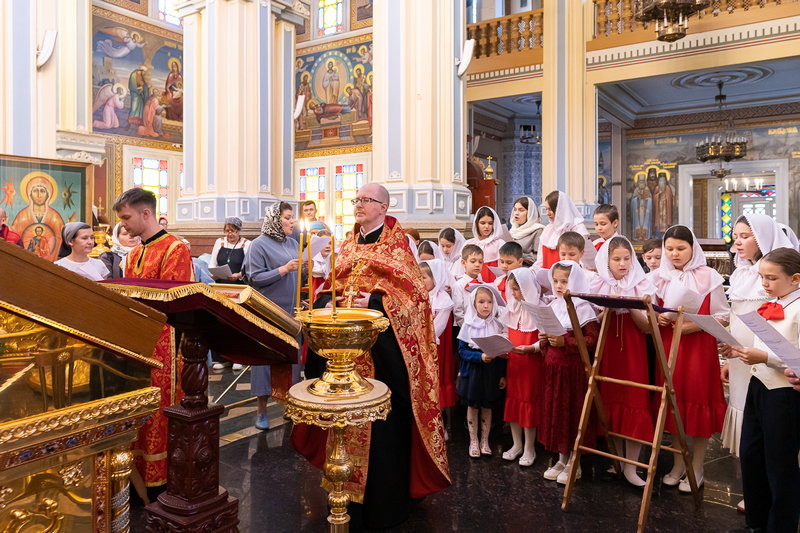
x: 725, y: 145
x: 670, y: 16
x: 528, y: 133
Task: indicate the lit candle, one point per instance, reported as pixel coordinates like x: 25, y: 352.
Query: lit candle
x: 299, y: 269
x: 333, y: 274
x: 310, y: 267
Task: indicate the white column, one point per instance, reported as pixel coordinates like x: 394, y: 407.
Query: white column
x: 418, y: 128
x: 569, y: 145
x: 238, y: 59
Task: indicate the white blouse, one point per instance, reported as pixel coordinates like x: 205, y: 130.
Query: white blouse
x: 94, y: 269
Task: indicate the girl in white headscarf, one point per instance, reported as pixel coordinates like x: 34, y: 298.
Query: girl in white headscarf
x: 428, y: 250
x: 481, y: 377
x: 524, y: 373
x: 526, y: 228
x: 754, y: 236
x: 488, y: 235
x: 683, y: 279
x: 451, y: 241
x: 436, y: 275
x: 564, y: 217
x: 625, y: 351
x: 564, y: 371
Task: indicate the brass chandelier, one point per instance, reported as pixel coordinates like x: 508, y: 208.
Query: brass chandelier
x: 671, y: 17
x: 726, y: 144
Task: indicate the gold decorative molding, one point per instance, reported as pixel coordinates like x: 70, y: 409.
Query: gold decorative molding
x: 80, y: 334
x: 357, y: 24
x: 79, y: 417
x: 152, y: 28
x: 359, y: 148
x: 334, y: 44
x: 136, y: 7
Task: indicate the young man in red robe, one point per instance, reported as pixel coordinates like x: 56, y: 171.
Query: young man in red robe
x: 404, y: 457
x: 159, y: 256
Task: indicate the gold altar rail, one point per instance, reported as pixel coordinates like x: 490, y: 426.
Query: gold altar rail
x: 615, y: 24
x: 507, y: 42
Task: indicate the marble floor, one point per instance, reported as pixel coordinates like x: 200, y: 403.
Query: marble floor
x: 279, y: 492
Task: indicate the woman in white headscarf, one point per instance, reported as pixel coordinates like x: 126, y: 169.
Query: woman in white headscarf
x: 526, y: 228
x: 122, y: 244
x: 488, y: 236
x: 754, y: 236
x: 684, y: 279
x: 564, y: 217
x: 791, y: 235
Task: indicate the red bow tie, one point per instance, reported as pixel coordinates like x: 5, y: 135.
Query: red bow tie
x: 471, y: 282
x: 771, y: 311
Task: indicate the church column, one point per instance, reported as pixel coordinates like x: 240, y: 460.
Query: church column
x: 569, y: 146
x: 419, y: 132
x: 238, y: 59
x: 521, y: 170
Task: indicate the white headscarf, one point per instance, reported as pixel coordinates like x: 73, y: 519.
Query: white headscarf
x: 531, y: 224
x: 518, y: 317
x: 567, y: 218
x: 497, y: 228
x: 745, y: 280
x: 455, y: 251
x: 437, y: 252
x: 696, y: 274
x: 791, y: 235
x: 634, y: 283
x: 413, y: 246
x: 438, y: 295
x: 117, y: 246
x: 477, y: 327
x: 578, y: 282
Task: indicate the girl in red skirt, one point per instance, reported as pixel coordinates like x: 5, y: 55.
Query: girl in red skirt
x: 565, y: 378
x: 684, y: 279
x: 524, y: 367
x: 435, y: 275
x: 625, y: 352
x: 564, y: 217
x: 488, y: 236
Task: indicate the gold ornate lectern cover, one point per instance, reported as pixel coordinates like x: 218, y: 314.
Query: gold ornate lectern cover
x: 74, y: 387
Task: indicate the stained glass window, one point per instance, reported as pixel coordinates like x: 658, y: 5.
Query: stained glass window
x: 152, y: 175
x: 726, y: 216
x: 167, y: 13
x: 748, y: 203
x: 313, y: 183
x: 330, y: 17
x: 349, y: 178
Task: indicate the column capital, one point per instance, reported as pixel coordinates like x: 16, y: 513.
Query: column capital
x: 186, y: 8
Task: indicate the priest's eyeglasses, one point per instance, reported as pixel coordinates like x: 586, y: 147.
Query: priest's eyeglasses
x: 365, y: 200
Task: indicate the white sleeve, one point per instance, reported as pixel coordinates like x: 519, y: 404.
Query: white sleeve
x: 458, y: 305
x: 440, y: 321
x: 719, y: 308
x: 246, y: 246
x: 214, y: 251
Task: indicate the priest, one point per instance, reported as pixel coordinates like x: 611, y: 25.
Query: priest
x: 166, y: 257
x: 403, y: 458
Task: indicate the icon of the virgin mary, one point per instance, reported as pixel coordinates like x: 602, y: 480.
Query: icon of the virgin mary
x: 39, y: 190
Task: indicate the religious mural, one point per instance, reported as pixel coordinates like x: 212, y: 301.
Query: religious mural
x: 336, y: 81
x: 40, y: 196
x: 360, y: 13
x: 652, y: 174
x: 139, y: 6
x: 604, y: 172
x: 137, y: 78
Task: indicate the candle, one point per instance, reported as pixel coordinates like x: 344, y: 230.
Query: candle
x: 333, y: 274
x: 299, y: 270
x: 310, y: 267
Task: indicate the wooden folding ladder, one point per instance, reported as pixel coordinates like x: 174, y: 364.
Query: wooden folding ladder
x: 593, y: 397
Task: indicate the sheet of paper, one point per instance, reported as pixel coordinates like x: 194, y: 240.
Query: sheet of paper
x: 677, y: 295
x: 223, y: 272
x: 780, y: 346
x: 546, y: 319
x: 496, y: 271
x: 710, y: 325
x: 589, y: 254
x: 494, y: 345
x: 318, y: 244
x: 505, y: 234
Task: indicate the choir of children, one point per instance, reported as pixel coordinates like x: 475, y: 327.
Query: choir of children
x: 542, y: 380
